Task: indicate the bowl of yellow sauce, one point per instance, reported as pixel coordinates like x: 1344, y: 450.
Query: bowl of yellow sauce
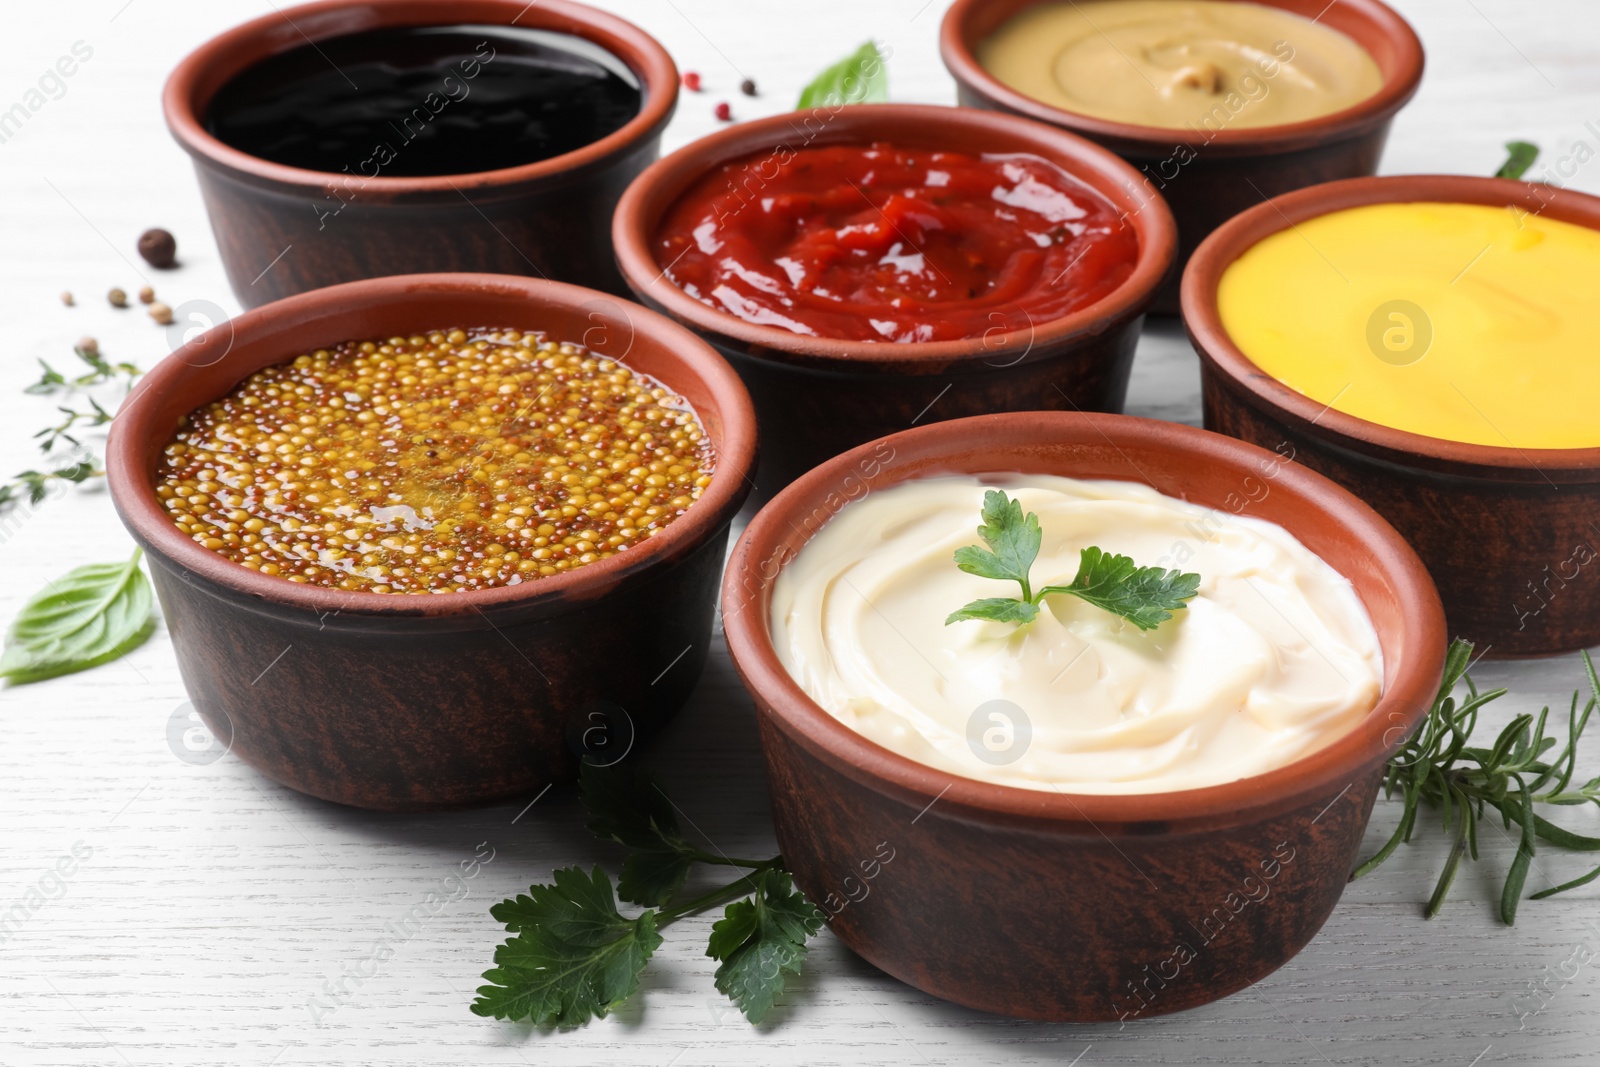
x: 1425, y: 341
x: 1218, y: 103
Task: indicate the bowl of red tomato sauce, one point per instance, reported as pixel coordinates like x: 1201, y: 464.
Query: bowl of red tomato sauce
x: 875, y: 267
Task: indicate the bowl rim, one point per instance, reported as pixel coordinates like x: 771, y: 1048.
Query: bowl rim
x: 1203, y: 320
x: 234, y: 50
x: 1398, y: 87
x: 136, y: 423
x: 757, y: 559
x: 665, y: 181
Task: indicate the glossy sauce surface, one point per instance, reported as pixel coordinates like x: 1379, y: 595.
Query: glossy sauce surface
x: 882, y: 243
x: 1457, y: 321
x: 437, y: 463
x: 427, y: 100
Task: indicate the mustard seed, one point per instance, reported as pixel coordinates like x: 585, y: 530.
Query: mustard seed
x: 453, y: 461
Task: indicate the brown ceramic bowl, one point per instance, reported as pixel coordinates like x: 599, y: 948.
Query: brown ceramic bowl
x: 817, y: 397
x: 1058, y: 906
x: 548, y: 219
x: 1497, y: 527
x: 414, y: 701
x: 1210, y: 178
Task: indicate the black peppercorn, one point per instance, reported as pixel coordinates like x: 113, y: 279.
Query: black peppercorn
x: 748, y: 87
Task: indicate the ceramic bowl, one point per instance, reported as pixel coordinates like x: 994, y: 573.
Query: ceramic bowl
x: 413, y: 701
x: 1059, y: 906
x: 817, y: 397
x: 283, y: 230
x: 1207, y: 175
x: 1504, y: 531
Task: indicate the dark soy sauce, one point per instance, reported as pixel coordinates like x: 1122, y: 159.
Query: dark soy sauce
x: 426, y: 100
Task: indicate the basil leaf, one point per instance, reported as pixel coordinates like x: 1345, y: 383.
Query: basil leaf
x: 1519, y: 157
x: 859, y: 78
x: 90, y: 616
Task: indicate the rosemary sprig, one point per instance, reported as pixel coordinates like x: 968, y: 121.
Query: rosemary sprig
x: 1440, y: 769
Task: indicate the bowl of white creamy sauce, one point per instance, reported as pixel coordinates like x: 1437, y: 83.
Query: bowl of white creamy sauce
x: 1274, y: 658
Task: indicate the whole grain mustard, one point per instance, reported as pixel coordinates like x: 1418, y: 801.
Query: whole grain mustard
x: 434, y: 463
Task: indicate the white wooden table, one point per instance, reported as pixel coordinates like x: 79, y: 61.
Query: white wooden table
x: 215, y: 905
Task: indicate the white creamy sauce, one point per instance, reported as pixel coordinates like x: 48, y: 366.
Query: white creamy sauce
x: 1273, y: 659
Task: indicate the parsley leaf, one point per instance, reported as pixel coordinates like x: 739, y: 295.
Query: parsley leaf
x: 574, y: 956
x: 1145, y: 596
x: 1013, y: 540
x: 996, y: 609
x: 761, y: 938
x: 625, y: 806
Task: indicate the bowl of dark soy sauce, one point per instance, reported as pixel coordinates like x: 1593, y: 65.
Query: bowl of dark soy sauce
x: 349, y: 139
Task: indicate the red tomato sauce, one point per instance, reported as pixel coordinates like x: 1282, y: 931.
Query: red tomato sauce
x: 879, y: 243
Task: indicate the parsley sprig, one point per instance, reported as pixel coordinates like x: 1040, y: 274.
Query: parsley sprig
x: 574, y: 956
x: 1145, y: 596
x: 1440, y: 769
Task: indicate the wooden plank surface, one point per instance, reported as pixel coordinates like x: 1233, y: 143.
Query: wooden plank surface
x: 214, y: 907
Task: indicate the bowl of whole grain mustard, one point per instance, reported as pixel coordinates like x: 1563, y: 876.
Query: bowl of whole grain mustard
x: 423, y: 541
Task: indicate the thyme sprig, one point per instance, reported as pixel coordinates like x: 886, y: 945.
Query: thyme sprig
x: 1440, y: 769
x: 34, y: 485
x: 100, y: 371
x: 51, y: 436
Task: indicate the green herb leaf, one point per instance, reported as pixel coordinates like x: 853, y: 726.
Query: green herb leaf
x: 1013, y: 539
x: 1519, y: 157
x: 48, y: 382
x: 90, y: 616
x: 996, y: 609
x: 1438, y: 768
x: 760, y: 939
x: 575, y: 957
x: 1145, y: 596
x: 859, y: 78
x: 625, y: 806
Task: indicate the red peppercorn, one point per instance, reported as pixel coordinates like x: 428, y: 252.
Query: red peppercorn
x: 723, y: 112
x: 691, y: 80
